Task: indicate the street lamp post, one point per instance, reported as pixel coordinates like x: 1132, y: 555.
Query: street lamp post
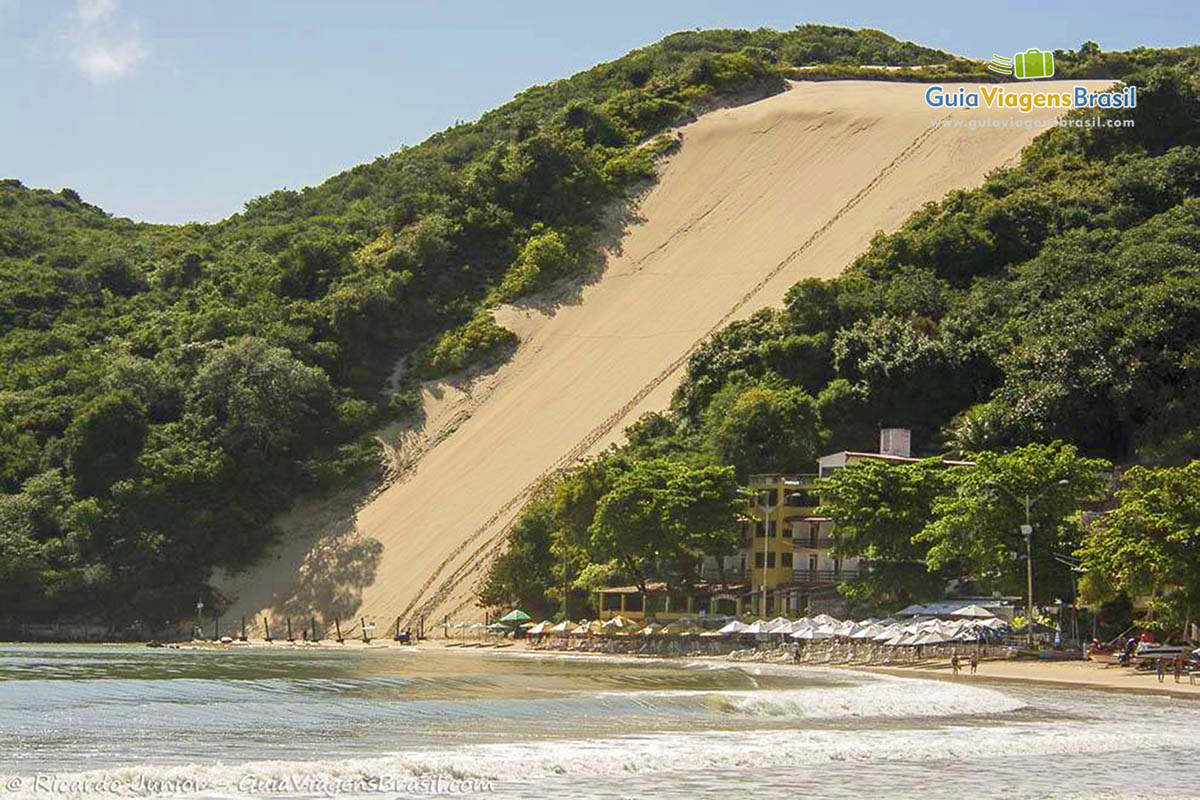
x: 1027, y: 531
x: 196, y: 634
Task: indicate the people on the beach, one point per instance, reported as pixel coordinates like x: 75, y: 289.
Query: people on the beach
x: 1178, y: 668
x: 974, y: 662
x: 1161, y: 668
x: 954, y: 665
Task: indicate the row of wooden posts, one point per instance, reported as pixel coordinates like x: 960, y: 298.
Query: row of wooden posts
x: 337, y: 627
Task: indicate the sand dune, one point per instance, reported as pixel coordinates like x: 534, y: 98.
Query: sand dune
x: 757, y: 198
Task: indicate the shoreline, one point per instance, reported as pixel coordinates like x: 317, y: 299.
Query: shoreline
x: 1048, y: 674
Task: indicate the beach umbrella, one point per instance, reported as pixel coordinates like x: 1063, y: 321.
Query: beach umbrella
x: 733, y: 627
x: 516, y: 615
x: 846, y: 630
x: 619, y: 623
x: 563, y: 628
x: 995, y: 623
x: 539, y: 629
x: 498, y: 627
x: 650, y: 629
x: 802, y: 624
x: 912, y: 611
x: 811, y: 634
x: 680, y: 627
x: 779, y: 625
x: 710, y: 635
x: 973, y: 612
x: 868, y: 632
x: 928, y: 637
x: 825, y: 619
x: 756, y: 627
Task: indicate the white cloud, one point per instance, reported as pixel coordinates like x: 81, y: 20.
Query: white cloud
x: 102, y: 46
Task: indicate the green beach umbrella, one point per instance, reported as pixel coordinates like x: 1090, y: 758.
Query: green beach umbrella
x: 516, y: 615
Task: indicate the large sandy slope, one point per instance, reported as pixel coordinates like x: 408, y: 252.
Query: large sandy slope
x: 757, y: 198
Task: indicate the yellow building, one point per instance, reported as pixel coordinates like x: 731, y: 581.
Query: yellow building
x: 786, y: 547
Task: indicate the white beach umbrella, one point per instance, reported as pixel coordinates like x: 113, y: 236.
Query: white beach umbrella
x: 886, y: 632
x: 811, y: 634
x: 912, y: 611
x: 733, y: 626
x: 928, y: 637
x: 846, y: 630
x: 868, y: 632
x: 563, y: 628
x: 539, y: 629
x: 972, y: 612
x: 756, y: 627
x: 825, y: 619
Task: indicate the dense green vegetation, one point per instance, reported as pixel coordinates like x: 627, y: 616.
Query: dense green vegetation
x: 168, y: 388
x: 1059, y: 301
x: 925, y: 524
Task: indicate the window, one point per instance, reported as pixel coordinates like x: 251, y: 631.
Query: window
x: 786, y: 560
x: 802, y: 498
x: 812, y: 563
x: 633, y: 602
x: 758, y: 560
x: 769, y: 527
x: 767, y: 498
x: 771, y: 560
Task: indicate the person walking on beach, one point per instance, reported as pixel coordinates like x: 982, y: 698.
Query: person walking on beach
x: 954, y: 666
x: 1160, y: 668
x: 1177, y: 666
x: 974, y: 662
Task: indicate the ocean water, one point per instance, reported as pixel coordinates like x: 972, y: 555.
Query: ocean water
x: 107, y: 721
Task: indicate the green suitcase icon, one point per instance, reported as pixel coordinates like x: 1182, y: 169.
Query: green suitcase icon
x: 1033, y: 64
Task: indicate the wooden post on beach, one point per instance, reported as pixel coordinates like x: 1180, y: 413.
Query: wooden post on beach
x: 396, y: 636
x: 363, y: 621
x: 216, y: 628
x: 313, y: 620
x: 242, y: 638
x: 337, y: 626
x: 291, y: 637
x: 267, y: 630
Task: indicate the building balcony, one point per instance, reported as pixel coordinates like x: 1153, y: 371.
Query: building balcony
x: 826, y: 575
x: 822, y: 543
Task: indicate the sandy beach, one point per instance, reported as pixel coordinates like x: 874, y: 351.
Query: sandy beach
x: 1056, y: 674
x: 1060, y: 674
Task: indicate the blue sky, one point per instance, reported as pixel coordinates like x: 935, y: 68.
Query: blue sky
x: 168, y: 111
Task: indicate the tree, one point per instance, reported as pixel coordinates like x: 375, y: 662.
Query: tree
x: 104, y: 440
x: 524, y: 572
x: 763, y: 428
x: 262, y: 400
x: 1149, y: 545
x: 878, y: 509
x: 663, y: 513
x: 977, y: 523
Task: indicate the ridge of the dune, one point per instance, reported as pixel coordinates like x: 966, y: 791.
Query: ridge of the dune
x: 758, y: 197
